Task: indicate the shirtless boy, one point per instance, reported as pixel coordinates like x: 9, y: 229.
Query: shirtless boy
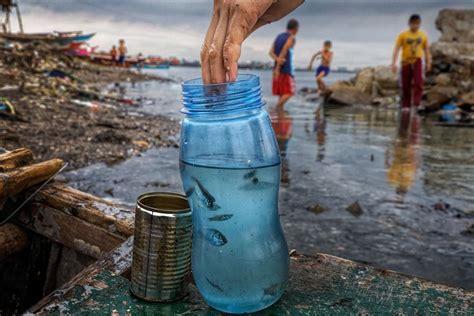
x: 324, y: 68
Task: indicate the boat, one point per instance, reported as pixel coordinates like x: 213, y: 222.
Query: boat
x: 50, y: 38
x: 154, y: 66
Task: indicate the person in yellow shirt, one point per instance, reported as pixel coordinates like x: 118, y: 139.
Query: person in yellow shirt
x: 414, y: 46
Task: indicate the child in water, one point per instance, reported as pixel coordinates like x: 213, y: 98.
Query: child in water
x: 324, y: 68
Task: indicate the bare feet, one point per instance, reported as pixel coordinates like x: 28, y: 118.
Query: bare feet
x: 232, y: 22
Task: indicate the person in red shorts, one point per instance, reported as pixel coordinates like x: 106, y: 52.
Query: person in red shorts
x: 283, y: 70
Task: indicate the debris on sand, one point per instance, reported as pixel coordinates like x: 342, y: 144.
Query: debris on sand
x: 316, y: 209
x: 59, y: 106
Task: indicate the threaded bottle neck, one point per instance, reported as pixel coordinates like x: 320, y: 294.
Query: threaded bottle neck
x: 242, y: 95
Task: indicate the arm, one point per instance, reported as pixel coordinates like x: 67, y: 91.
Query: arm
x: 427, y: 57
x: 313, y: 59
x: 282, y: 57
x: 272, y: 52
x: 396, y: 51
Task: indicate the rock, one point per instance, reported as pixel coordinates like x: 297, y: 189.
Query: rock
x: 307, y: 90
x: 469, y: 231
x: 348, y: 95
x: 456, y: 25
x: 467, y: 99
x: 385, y: 78
x: 316, y: 209
x: 441, y: 206
x: 364, y: 80
x: 443, y: 80
x: 355, y: 209
x: 438, y: 96
x: 385, y: 101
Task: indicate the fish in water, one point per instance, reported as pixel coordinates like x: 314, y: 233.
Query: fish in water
x: 215, y: 237
x: 215, y: 285
x: 206, y: 197
x: 250, y: 174
x: 220, y: 218
x: 190, y: 191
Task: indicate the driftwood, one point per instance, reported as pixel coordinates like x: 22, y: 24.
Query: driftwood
x: 14, y: 159
x: 13, y: 239
x: 20, y: 179
x: 70, y: 231
x: 77, y: 220
x: 89, y: 208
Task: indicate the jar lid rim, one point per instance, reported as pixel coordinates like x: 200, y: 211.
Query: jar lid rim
x: 197, y: 82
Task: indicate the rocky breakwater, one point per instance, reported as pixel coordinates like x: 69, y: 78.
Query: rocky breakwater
x: 453, y: 61
x: 450, y: 81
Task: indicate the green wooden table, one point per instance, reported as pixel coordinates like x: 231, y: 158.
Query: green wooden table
x: 319, y: 285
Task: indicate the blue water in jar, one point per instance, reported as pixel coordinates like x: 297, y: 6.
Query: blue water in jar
x: 230, y: 169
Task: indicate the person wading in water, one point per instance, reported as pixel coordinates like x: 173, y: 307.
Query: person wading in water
x: 414, y: 45
x: 283, y: 70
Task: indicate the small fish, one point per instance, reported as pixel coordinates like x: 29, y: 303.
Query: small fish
x: 250, y: 174
x: 215, y: 237
x: 255, y: 180
x: 220, y: 218
x: 206, y: 197
x: 272, y: 289
x: 190, y: 191
x: 215, y: 285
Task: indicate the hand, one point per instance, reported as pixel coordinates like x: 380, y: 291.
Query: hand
x: 281, y: 60
x: 232, y: 22
x: 428, y: 68
x: 394, y: 68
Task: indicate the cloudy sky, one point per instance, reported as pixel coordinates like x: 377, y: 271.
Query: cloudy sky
x: 362, y: 31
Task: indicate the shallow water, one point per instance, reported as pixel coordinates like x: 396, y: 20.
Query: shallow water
x: 398, y: 169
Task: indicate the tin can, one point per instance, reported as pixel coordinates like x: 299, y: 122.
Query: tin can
x: 162, y: 247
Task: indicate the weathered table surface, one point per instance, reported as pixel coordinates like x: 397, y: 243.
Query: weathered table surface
x: 320, y: 284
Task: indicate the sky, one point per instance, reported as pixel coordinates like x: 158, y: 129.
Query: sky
x: 362, y: 31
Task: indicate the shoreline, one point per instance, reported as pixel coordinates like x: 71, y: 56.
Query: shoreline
x: 61, y: 110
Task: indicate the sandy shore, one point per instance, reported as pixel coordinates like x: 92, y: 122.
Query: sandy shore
x: 69, y: 116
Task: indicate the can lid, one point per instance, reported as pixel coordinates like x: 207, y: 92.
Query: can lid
x: 164, y: 202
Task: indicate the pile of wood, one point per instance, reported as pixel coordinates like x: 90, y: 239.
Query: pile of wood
x: 76, y: 220
x: 17, y: 174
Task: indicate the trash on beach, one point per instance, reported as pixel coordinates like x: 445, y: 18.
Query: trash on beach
x: 316, y: 209
x: 6, y: 106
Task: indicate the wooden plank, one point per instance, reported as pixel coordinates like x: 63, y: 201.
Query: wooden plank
x: 13, y: 239
x: 14, y: 159
x: 117, y: 262
x: 89, y: 208
x: 319, y: 285
x: 69, y: 231
x: 20, y: 179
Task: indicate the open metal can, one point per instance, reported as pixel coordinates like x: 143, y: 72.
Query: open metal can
x: 161, y: 263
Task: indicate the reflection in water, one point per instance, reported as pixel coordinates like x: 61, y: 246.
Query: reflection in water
x: 282, y: 124
x: 320, y: 129
x: 404, y: 232
x: 401, y: 160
